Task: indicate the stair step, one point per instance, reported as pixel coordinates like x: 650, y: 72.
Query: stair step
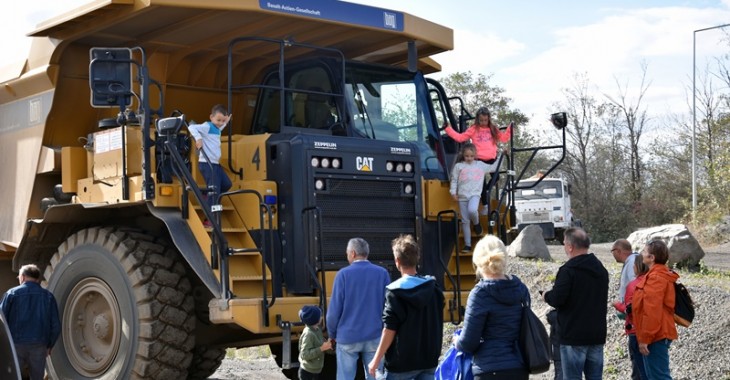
x: 249, y: 253
x: 249, y: 278
x: 228, y: 229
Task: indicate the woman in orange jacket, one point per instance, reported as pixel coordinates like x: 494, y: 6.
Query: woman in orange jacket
x: 653, y: 310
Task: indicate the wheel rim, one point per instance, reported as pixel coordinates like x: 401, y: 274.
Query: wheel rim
x: 94, y: 327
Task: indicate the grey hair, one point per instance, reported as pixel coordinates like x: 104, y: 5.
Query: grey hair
x: 360, y: 246
x: 30, y: 271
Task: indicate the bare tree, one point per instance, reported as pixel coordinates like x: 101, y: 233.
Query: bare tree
x: 583, y: 113
x: 634, y: 122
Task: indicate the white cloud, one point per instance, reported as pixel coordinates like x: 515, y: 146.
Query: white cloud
x: 21, y: 18
x: 615, y: 47
x: 477, y: 52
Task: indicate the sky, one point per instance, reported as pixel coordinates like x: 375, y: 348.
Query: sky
x: 531, y: 48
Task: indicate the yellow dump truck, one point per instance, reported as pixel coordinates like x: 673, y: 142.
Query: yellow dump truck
x: 335, y: 133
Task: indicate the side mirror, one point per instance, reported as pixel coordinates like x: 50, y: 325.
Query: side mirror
x: 170, y: 126
x: 559, y: 120
x: 110, y: 77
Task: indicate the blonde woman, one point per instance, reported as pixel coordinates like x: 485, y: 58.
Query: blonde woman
x: 493, y: 316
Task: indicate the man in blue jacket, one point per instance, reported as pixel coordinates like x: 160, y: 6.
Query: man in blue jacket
x: 356, y: 304
x: 32, y: 316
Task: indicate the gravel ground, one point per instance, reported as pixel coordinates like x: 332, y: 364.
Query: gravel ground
x: 701, y: 352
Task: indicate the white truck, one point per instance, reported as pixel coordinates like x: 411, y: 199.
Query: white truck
x: 546, y: 204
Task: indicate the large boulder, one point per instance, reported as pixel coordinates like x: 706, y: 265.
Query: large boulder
x: 684, y: 250
x: 530, y: 244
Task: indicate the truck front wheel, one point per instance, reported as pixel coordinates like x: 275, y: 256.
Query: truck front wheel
x: 126, y: 308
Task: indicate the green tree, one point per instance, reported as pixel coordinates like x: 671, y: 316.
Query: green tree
x: 476, y: 90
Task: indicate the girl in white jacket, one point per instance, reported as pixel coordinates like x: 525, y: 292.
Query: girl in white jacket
x: 467, y: 180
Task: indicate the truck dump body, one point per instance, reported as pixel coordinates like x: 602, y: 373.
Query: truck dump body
x: 187, y: 43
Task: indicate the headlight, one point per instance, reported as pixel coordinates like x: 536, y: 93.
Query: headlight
x: 399, y: 167
x: 319, y: 184
x: 325, y: 162
x: 408, y: 188
x: 336, y: 163
x: 409, y: 167
x: 315, y: 162
x: 389, y: 166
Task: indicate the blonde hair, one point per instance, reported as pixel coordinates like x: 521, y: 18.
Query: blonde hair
x: 490, y: 256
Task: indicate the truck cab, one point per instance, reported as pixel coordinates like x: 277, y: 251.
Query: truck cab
x: 544, y: 202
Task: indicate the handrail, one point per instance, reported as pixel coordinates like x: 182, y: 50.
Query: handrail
x: 225, y: 251
x: 492, y: 183
x: 282, y: 87
x: 320, y: 255
x: 455, y: 283
x: 514, y: 182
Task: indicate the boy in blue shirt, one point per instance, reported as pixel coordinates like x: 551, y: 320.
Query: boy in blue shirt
x: 208, y: 140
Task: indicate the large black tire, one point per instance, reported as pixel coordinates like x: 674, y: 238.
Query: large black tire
x: 206, y: 361
x: 126, y: 308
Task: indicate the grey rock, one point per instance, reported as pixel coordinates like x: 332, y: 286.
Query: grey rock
x: 530, y: 244
x: 684, y: 249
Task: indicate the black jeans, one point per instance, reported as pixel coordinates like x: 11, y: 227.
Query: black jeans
x: 304, y: 375
x: 488, y: 180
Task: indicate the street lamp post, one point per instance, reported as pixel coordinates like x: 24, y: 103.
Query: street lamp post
x: 694, y: 114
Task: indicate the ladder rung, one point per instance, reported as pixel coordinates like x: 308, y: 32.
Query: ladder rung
x: 249, y: 278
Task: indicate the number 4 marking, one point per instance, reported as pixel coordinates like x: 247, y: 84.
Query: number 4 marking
x: 256, y: 159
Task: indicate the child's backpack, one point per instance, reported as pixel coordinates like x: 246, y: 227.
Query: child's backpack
x: 684, y: 307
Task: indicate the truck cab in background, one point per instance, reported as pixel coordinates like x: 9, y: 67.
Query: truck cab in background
x: 546, y: 203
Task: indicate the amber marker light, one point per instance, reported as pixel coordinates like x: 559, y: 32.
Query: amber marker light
x: 166, y: 191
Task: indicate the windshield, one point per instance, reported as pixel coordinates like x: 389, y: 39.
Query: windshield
x: 544, y: 190
x: 389, y: 105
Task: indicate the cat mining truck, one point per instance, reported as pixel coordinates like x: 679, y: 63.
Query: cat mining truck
x: 335, y: 133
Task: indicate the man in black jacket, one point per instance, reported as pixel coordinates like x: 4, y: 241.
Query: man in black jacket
x: 412, y: 318
x: 580, y: 294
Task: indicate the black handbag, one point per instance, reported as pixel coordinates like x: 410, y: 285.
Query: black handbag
x: 534, y: 342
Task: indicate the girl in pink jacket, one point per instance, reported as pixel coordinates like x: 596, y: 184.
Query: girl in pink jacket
x: 484, y: 135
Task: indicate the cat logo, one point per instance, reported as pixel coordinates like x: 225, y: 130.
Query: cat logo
x: 364, y: 164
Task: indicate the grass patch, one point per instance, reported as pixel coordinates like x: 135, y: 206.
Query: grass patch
x: 248, y: 353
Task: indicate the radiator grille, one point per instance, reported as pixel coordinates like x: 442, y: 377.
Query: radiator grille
x: 376, y: 211
x: 536, y: 217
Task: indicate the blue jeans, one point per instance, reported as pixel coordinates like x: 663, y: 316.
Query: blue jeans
x: 637, y: 360
x: 347, y: 355
x: 656, y: 363
x: 214, y: 175
x: 421, y: 374
x: 33, y: 356
x: 577, y: 360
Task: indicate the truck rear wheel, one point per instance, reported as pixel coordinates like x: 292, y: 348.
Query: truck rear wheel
x: 206, y: 361
x: 126, y: 308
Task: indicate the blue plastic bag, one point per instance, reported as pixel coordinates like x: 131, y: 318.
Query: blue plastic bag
x: 455, y: 366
